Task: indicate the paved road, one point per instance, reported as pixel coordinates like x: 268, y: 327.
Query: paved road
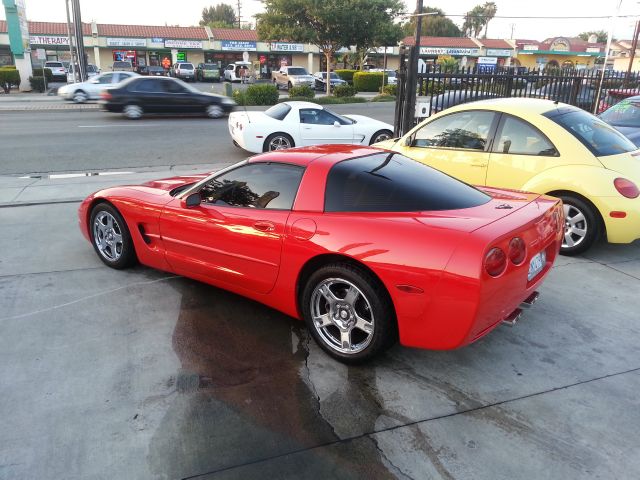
x: 62, y: 141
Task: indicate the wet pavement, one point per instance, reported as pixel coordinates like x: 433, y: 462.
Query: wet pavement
x: 140, y: 374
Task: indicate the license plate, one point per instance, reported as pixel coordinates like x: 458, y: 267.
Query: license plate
x: 537, y: 264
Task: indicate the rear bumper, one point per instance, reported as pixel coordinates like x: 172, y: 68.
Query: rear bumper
x: 620, y: 230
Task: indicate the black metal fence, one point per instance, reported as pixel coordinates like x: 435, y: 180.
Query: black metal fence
x: 439, y: 88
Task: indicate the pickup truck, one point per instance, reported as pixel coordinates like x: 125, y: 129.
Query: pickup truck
x: 292, y: 77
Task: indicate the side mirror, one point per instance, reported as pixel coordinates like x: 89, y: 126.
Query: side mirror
x: 193, y: 200
x: 408, y: 141
x: 336, y: 123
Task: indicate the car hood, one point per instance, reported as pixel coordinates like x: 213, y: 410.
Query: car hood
x: 168, y: 184
x: 361, y: 119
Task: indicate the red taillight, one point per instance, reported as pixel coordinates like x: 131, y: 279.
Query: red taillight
x: 106, y: 96
x: 495, y: 262
x: 626, y: 188
x: 517, y: 250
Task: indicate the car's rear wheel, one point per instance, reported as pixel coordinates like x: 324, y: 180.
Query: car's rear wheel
x: 132, y: 112
x: 348, y: 312
x: 110, y: 237
x: 214, y: 111
x: 289, y: 86
x: 80, y: 96
x: 381, y: 136
x: 278, y: 141
x: 581, y: 226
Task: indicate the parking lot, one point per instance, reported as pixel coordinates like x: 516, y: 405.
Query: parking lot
x: 140, y: 374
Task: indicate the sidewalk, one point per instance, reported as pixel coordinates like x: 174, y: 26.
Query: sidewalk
x: 72, y: 187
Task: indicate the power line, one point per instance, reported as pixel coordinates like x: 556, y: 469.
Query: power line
x: 595, y: 17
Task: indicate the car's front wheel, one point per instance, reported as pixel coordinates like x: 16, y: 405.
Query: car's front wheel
x: 278, y: 141
x: 110, y: 237
x: 214, y: 111
x: 132, y: 112
x: 348, y: 313
x: 581, y: 225
x: 80, y: 96
x: 381, y: 136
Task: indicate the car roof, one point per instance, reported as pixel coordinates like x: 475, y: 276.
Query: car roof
x: 514, y: 105
x: 303, y: 156
x: 302, y: 104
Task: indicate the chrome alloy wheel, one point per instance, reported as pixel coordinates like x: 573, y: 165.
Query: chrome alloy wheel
x: 381, y: 137
x: 575, y: 226
x: 79, y: 97
x: 215, y: 111
x: 279, y: 142
x: 107, y: 235
x: 132, y: 111
x: 342, y: 315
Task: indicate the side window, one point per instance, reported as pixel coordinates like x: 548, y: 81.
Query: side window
x: 468, y: 130
x: 518, y: 137
x: 106, y: 78
x: 147, y: 86
x: 259, y: 185
x: 173, y: 87
x: 316, y: 117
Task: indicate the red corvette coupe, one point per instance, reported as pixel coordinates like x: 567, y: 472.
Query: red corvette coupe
x: 365, y: 245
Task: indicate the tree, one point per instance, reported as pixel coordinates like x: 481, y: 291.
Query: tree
x: 220, y: 16
x: 490, y: 10
x: 328, y: 24
x: 477, y: 18
x: 433, y: 25
x: 601, y: 36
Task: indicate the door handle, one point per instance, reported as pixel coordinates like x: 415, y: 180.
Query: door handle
x: 478, y: 164
x: 264, y: 226
x: 307, y: 128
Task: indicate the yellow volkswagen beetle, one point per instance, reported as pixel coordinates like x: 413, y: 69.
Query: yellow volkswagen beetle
x: 539, y: 146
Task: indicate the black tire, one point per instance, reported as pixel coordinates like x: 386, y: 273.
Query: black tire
x: 380, y: 136
x: 289, y: 86
x: 373, y: 302
x: 284, y: 139
x: 80, y: 96
x: 111, y: 255
x: 579, y: 215
x: 133, y: 111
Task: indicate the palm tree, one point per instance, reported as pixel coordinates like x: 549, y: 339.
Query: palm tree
x: 490, y: 10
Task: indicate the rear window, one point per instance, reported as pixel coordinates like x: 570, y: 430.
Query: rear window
x: 390, y: 182
x: 207, y: 66
x: 297, y: 71
x: 122, y: 64
x: 185, y: 66
x: 54, y: 64
x: 623, y: 114
x: 601, y: 139
x: 278, y: 111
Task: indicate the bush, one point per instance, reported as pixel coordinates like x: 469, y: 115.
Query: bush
x: 367, y: 81
x: 261, y: 94
x: 431, y: 88
x: 302, y: 91
x: 346, y: 75
x: 345, y: 90
x: 383, y: 98
x: 240, y: 97
x: 37, y: 72
x: 37, y: 83
x: 9, y: 77
x: 390, y: 90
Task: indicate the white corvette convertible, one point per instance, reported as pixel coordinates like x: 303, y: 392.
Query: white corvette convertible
x: 296, y: 124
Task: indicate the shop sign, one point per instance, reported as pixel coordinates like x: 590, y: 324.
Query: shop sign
x: 236, y: 45
x: 487, y: 61
x: 593, y: 49
x: 530, y: 47
x: 472, y: 52
x: 286, y: 47
x: 263, y: 59
x: 183, y: 44
x: 157, y: 40
x: 383, y: 50
x: 498, y: 52
x: 126, y: 42
x: 48, y: 40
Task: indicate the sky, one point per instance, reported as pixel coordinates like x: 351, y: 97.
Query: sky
x: 188, y: 12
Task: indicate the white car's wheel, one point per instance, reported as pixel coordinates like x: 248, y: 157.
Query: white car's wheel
x: 215, y: 111
x: 132, y: 112
x: 278, y: 141
x: 381, y: 136
x: 80, y: 96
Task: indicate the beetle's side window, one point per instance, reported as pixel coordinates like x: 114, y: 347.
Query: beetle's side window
x: 518, y: 137
x: 258, y: 185
x: 468, y: 130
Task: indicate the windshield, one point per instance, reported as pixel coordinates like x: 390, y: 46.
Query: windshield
x: 600, y: 138
x: 122, y: 64
x: 332, y: 75
x: 297, y: 71
x: 623, y: 114
x: 210, y: 67
x: 54, y: 64
x: 278, y: 111
x: 91, y: 68
x: 185, y: 66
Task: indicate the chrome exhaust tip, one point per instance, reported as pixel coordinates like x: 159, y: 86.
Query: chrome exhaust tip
x: 512, y: 318
x: 530, y: 300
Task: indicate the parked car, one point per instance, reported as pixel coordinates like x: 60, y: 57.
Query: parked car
x: 142, y: 70
x: 294, y: 124
x: 206, y: 72
x: 156, y: 71
x: 90, y: 90
x: 562, y: 92
x: 391, y: 77
x: 184, y: 71
x: 320, y: 79
x: 73, y: 73
x: 364, y: 245
x: 58, y: 72
x: 142, y: 95
x: 539, y: 146
x: 122, y: 66
x: 292, y: 77
x: 236, y: 72
x: 625, y: 117
x: 451, y: 98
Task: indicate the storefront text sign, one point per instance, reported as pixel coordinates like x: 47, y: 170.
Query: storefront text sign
x: 498, y: 52
x: 286, y: 47
x: 183, y: 44
x: 48, y: 40
x: 237, y: 45
x: 449, y: 51
x: 126, y: 42
x: 157, y: 40
x: 487, y: 60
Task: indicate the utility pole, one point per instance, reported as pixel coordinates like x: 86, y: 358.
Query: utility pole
x: 513, y: 25
x: 239, y: 13
x: 634, y: 45
x: 70, y: 37
x: 412, y: 71
x: 77, y: 28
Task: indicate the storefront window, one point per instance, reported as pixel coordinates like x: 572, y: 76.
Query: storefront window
x: 274, y: 61
x: 5, y: 57
x: 125, y: 56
